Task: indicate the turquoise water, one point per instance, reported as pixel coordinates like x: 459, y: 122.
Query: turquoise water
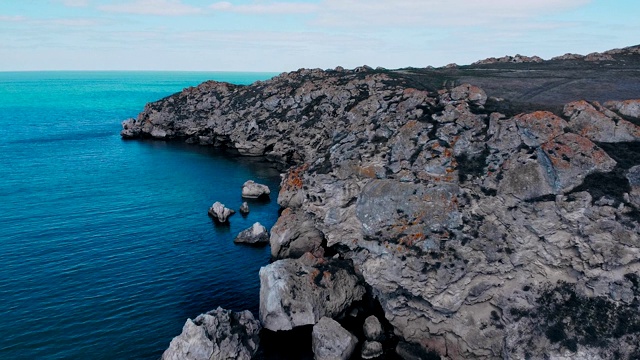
x: 105, y: 245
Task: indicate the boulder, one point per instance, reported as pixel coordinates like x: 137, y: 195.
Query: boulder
x: 253, y: 190
x: 599, y: 124
x: 129, y: 129
x: 219, y: 334
x: 539, y: 127
x: 293, y: 235
x: 633, y: 175
x: 331, y: 341
x: 372, y: 328
x: 629, y: 108
x: 256, y: 234
x: 244, y: 208
x: 371, y: 349
x: 299, y: 292
x: 220, y: 213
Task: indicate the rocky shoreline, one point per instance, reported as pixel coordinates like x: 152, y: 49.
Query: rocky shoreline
x: 481, y: 233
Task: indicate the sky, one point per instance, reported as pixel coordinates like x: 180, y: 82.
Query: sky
x: 285, y: 35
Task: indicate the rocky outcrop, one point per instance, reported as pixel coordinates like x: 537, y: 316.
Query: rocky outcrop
x: 219, y: 334
x: 220, y: 213
x: 518, y: 59
x: 300, y: 292
x: 244, y: 208
x: 330, y: 341
x: 482, y: 235
x: 293, y: 235
x: 253, y: 190
x: 255, y: 235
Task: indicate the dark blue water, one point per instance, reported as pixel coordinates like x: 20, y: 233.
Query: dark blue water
x: 105, y: 245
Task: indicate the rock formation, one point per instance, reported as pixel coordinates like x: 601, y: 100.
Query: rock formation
x: 297, y: 292
x: 219, y: 334
x: 220, y: 213
x: 244, y: 208
x: 253, y: 190
x: 482, y: 235
x: 331, y: 341
x: 255, y: 235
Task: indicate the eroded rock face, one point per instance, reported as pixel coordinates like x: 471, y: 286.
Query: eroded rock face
x: 331, y: 341
x: 461, y: 221
x: 293, y: 235
x: 220, y: 213
x: 256, y: 234
x: 218, y: 334
x: 302, y: 291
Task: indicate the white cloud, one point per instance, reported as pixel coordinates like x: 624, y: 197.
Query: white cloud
x: 6, y: 18
x: 268, y: 8
x: 152, y: 7
x: 75, y: 3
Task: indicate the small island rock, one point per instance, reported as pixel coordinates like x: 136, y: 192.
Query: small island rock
x: 253, y: 190
x: 256, y: 234
x: 244, y: 208
x: 331, y: 341
x: 220, y: 213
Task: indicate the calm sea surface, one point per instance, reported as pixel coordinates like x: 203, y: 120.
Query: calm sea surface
x: 105, y: 245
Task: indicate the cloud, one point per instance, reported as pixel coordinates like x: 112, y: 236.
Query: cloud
x: 275, y: 8
x: 425, y: 13
x: 74, y: 3
x: 152, y: 7
x: 6, y: 18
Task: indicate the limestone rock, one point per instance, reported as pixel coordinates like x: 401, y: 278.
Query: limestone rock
x: 600, y: 125
x: 629, y: 108
x: 253, y: 190
x: 220, y: 213
x: 539, y: 127
x: 331, y: 341
x: 218, y: 334
x: 244, y: 208
x: 256, y: 234
x: 293, y: 235
x: 300, y: 292
x: 371, y: 350
x: 372, y: 328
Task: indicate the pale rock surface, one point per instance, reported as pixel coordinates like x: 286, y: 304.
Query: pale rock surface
x: 293, y: 235
x: 256, y: 234
x: 220, y: 213
x: 219, y: 334
x: 371, y: 349
x: 372, y: 328
x: 331, y: 341
x: 301, y: 291
x: 253, y: 190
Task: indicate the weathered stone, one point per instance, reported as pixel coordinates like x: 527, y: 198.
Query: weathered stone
x: 629, y: 108
x: 571, y: 158
x: 293, y: 235
x: 300, y: 292
x: 244, y: 208
x: 633, y: 175
x: 331, y: 341
x: 469, y: 92
x: 253, y: 190
x: 371, y: 350
x: 218, y: 334
x: 595, y: 125
x: 539, y: 127
x: 372, y: 328
x: 256, y: 234
x: 220, y: 213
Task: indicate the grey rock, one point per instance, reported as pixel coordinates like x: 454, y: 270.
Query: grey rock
x: 253, y: 190
x: 539, y: 127
x: 599, y: 124
x: 218, y: 334
x: 629, y: 108
x: 371, y: 350
x: 633, y: 175
x: 293, y: 235
x: 220, y: 213
x: 372, y: 328
x: 330, y: 341
x: 300, y: 292
x: 256, y: 234
x: 244, y: 208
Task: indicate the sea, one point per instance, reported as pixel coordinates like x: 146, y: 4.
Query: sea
x: 105, y: 244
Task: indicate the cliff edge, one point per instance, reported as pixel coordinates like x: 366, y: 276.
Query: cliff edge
x: 484, y: 231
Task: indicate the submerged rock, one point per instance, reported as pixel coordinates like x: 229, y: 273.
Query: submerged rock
x: 331, y: 341
x: 220, y: 213
x: 371, y: 349
x: 253, y: 190
x: 256, y: 234
x: 299, y: 292
x: 372, y: 328
x: 219, y: 334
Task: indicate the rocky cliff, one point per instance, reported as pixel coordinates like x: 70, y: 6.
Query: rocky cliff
x: 482, y: 234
